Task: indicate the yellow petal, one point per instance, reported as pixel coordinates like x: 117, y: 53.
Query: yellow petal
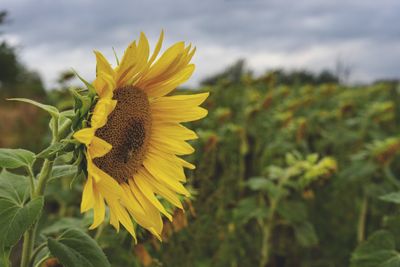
x: 157, y: 48
x: 166, y: 85
x: 131, y: 203
x: 167, y: 162
x: 164, y: 62
x: 102, y: 65
x: 120, y: 214
x: 104, y: 85
x: 180, y: 101
x: 186, y: 164
x: 172, y: 130
x: 181, y: 108
x: 149, y: 194
x: 127, y: 62
x: 101, y: 111
x: 171, y: 145
x: 152, y: 214
x: 152, y: 164
x: 160, y: 189
x: 88, y: 200
x: 136, y: 210
x: 99, y: 147
x: 99, y: 210
x: 108, y: 187
x: 113, y: 218
x: 85, y: 136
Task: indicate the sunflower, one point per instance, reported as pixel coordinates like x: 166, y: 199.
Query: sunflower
x: 135, y: 136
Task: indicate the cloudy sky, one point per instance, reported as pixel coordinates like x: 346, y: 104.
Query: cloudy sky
x: 53, y: 36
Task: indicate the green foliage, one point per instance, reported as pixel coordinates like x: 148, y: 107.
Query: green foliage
x: 15, y: 158
x: 391, y: 197
x: 325, y: 155
x: 378, y: 251
x: 74, y: 248
x: 291, y: 171
x: 17, y: 215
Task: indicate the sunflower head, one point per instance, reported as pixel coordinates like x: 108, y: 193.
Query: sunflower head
x: 134, y: 138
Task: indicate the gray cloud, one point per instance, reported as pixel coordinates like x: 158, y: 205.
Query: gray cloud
x: 56, y: 35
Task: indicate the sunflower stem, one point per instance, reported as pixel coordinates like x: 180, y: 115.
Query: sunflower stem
x: 31, y: 180
x: 64, y: 129
x: 30, y: 235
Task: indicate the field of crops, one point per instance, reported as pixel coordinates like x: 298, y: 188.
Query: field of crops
x: 288, y: 173
x: 292, y: 168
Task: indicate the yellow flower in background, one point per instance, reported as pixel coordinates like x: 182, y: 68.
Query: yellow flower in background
x: 135, y: 136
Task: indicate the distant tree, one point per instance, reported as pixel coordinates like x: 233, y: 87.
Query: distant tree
x: 8, y: 64
x: 15, y: 78
x: 299, y: 77
x: 327, y: 76
x: 232, y: 73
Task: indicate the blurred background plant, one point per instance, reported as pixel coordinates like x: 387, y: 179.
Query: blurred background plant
x: 293, y: 169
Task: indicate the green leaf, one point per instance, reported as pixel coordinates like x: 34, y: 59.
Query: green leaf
x: 83, y: 104
x: 89, y: 86
x: 391, y: 197
x: 305, y: 234
x: 53, y: 111
x: 63, y: 224
x: 16, y: 214
x: 265, y: 185
x: 51, y: 150
x: 74, y: 248
x: 258, y: 183
x: 63, y: 171
x: 378, y: 251
x: 15, y: 158
x: 249, y: 208
x: 66, y: 115
x: 292, y: 211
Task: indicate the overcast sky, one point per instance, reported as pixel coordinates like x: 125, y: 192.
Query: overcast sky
x: 56, y: 35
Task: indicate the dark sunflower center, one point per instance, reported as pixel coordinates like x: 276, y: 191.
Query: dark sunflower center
x: 128, y: 131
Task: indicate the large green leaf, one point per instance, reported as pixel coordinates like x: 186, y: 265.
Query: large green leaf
x: 74, y: 248
x: 378, y: 251
x: 16, y: 214
x: 15, y: 158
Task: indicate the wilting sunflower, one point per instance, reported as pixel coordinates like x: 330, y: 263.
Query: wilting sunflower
x: 135, y: 136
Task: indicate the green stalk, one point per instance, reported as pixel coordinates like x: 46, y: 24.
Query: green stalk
x: 36, y: 252
x: 266, y: 233
x: 4, y: 259
x: 31, y: 180
x: 30, y: 235
x: 362, y: 219
x: 269, y: 224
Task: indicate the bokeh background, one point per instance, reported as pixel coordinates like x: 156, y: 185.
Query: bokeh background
x: 302, y: 138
